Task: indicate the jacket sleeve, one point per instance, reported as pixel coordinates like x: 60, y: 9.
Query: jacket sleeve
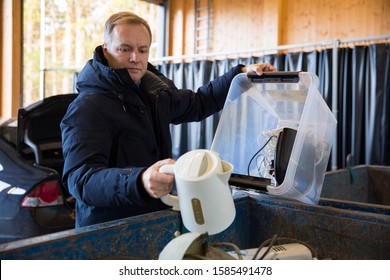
x: 188, y: 106
x: 86, y: 142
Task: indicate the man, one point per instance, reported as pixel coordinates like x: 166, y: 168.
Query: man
x: 116, y: 133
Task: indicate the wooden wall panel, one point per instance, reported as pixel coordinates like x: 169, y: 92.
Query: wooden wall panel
x: 181, y: 28
x: 11, y: 56
x: 252, y: 24
x: 308, y: 21
x: 246, y: 24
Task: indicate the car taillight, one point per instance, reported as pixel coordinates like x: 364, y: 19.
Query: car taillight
x: 45, y: 194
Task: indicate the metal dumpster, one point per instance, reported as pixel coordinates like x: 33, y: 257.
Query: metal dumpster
x: 337, y: 230
x: 334, y: 231
x: 363, y: 183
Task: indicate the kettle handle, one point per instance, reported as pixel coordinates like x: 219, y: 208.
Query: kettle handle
x: 168, y: 199
x: 171, y: 200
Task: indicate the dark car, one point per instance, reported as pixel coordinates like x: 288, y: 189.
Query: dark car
x: 32, y: 199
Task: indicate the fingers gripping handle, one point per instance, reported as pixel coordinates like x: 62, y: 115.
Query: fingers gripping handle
x: 168, y: 199
x: 167, y: 168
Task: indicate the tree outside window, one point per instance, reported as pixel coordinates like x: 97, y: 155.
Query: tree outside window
x: 71, y: 31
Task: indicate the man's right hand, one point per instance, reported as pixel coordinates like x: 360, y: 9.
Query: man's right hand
x: 158, y: 184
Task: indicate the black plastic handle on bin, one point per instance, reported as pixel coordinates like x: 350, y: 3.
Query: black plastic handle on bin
x: 249, y: 182
x: 275, y: 77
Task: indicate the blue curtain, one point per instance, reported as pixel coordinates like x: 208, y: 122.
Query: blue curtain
x: 363, y: 111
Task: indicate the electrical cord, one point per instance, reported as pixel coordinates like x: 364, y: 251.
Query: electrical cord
x: 253, y: 157
x: 262, y: 245
x: 229, y: 245
x: 270, y: 242
x: 211, y: 254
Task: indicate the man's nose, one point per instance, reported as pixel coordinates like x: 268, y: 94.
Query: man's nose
x: 133, y: 57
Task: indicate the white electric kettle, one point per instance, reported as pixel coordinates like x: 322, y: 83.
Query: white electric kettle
x: 204, y: 197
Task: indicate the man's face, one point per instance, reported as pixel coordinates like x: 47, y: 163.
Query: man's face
x: 129, y: 48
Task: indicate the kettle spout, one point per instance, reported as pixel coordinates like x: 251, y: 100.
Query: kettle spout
x: 227, y: 169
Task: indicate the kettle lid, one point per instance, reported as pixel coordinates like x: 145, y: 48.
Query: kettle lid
x: 198, y: 163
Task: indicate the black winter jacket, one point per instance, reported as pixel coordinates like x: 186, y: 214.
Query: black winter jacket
x: 114, y: 130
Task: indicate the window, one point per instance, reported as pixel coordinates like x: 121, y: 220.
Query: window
x: 55, y: 51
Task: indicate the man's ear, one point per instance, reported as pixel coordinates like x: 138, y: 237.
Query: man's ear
x: 105, y: 50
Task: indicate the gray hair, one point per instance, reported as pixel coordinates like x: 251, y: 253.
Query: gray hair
x: 123, y: 18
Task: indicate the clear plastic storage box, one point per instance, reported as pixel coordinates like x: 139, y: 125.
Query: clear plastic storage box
x: 257, y: 110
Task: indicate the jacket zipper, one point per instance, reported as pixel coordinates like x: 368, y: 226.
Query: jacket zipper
x: 156, y: 131
x: 158, y: 139
x: 122, y: 99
